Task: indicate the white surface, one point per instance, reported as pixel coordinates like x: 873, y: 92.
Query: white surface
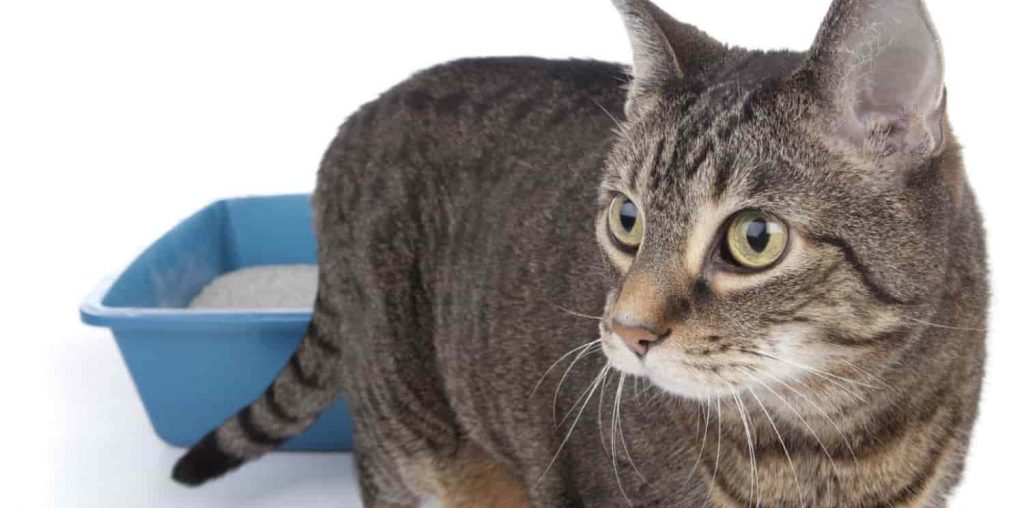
x: 119, y: 118
x: 261, y: 287
x: 107, y: 455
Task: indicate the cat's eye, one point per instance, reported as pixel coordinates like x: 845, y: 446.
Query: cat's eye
x: 756, y: 239
x: 625, y: 222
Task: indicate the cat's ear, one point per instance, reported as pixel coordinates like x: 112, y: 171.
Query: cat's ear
x: 664, y: 50
x: 878, y: 64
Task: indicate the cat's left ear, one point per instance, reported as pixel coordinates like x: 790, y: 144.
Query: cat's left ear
x: 664, y: 50
x: 878, y: 64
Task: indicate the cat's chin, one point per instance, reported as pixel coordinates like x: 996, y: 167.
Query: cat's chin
x: 684, y: 385
x: 672, y: 378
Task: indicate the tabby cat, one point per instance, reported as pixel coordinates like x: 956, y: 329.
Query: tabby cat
x: 784, y: 306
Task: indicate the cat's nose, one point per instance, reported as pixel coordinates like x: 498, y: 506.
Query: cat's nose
x: 638, y: 338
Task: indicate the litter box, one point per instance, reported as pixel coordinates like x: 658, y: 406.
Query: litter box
x: 195, y: 368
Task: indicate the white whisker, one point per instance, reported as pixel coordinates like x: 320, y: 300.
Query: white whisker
x: 718, y: 450
x: 867, y: 374
x: 796, y: 477
x: 703, y: 441
x: 625, y: 447
x: 572, y: 408
x: 554, y: 398
x: 579, y: 314
x: 600, y: 412
x: 831, y: 378
x: 615, y: 417
x: 559, y: 360
x: 618, y: 123
x: 814, y: 370
x: 755, y: 482
x: 592, y: 388
x: 820, y: 411
x: 802, y: 420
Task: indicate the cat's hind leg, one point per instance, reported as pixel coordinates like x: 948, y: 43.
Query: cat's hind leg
x: 471, y: 478
x: 378, y: 485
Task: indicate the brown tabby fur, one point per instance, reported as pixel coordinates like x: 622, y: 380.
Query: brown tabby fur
x: 461, y: 283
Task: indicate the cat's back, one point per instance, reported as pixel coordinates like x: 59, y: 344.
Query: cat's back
x: 460, y: 155
x: 470, y: 115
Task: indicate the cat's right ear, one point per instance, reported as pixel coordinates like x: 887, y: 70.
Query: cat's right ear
x: 664, y: 50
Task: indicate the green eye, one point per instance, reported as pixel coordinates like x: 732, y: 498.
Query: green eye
x: 625, y: 222
x: 756, y: 239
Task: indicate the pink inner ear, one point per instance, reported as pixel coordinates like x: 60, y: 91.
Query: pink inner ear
x: 900, y: 90
x: 885, y: 63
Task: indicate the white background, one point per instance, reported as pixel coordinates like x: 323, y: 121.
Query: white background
x: 117, y: 119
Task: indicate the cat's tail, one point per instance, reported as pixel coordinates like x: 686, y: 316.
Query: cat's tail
x: 303, y: 388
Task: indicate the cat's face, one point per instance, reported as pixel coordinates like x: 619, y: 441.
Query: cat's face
x: 762, y: 237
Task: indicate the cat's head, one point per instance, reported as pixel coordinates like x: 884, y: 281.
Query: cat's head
x: 774, y: 215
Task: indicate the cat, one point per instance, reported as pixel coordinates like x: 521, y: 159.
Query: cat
x: 784, y: 305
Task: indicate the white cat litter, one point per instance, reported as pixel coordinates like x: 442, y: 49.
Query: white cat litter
x: 261, y: 287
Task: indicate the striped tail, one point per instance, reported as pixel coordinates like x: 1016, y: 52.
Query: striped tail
x: 303, y: 388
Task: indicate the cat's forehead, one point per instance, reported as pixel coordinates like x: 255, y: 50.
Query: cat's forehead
x: 725, y: 143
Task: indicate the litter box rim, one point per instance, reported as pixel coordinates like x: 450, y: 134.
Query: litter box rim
x: 94, y: 312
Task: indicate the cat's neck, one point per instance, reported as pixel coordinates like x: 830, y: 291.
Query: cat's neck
x: 888, y: 449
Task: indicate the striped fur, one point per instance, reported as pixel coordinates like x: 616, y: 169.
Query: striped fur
x: 306, y: 385
x: 467, y: 316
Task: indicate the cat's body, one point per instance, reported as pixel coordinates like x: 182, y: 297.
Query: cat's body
x: 456, y: 220
x: 463, y: 155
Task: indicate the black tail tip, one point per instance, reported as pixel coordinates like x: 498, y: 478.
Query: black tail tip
x: 204, y: 461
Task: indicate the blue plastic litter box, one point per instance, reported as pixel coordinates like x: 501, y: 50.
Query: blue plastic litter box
x: 194, y: 368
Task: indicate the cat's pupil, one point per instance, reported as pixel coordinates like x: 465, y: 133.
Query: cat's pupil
x: 627, y: 215
x: 757, y: 234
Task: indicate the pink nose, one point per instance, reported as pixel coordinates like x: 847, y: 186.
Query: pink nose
x: 637, y: 338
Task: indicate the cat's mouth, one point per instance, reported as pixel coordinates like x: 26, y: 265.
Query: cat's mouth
x: 698, y: 369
